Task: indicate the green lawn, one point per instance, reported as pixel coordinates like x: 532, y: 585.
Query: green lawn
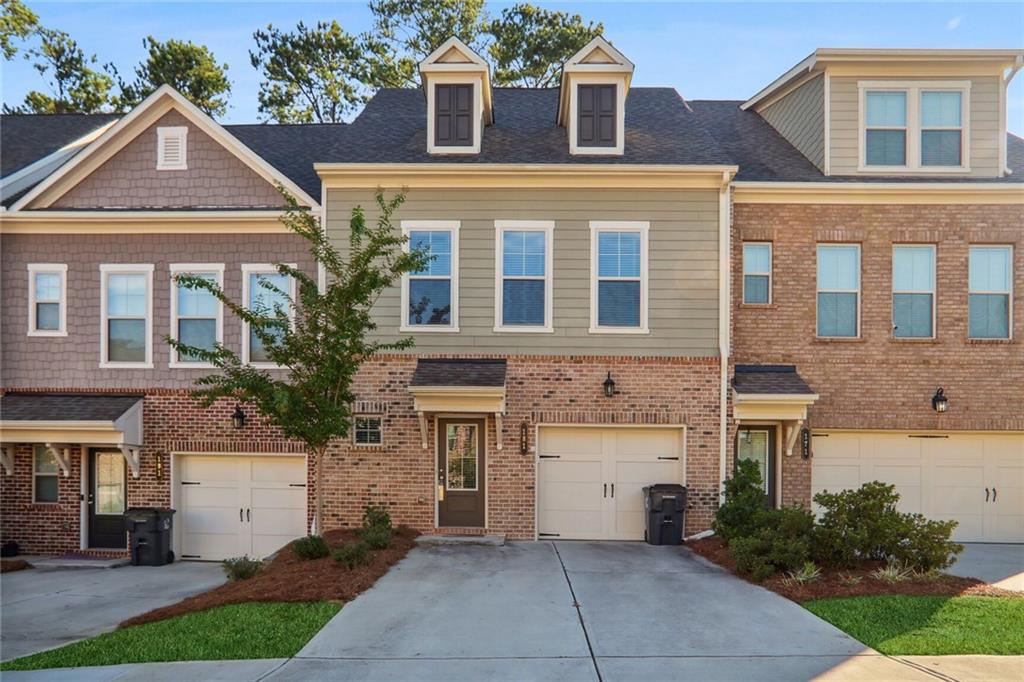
x: 906, y: 626
x: 252, y: 630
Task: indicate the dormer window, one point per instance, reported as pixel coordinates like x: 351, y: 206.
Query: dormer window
x: 453, y: 115
x: 592, y: 102
x: 595, y: 122
x: 171, y: 147
x: 458, y: 87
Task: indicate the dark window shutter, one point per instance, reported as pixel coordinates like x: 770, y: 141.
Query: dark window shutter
x: 595, y: 123
x: 453, y: 115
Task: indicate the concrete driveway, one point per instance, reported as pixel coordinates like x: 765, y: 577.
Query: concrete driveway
x: 567, y: 611
x: 46, y: 608
x: 999, y: 565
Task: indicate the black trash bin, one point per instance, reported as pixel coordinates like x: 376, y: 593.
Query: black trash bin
x: 665, y: 509
x: 149, y: 535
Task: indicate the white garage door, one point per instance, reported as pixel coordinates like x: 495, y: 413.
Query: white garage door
x: 231, y: 506
x: 975, y: 480
x: 589, y: 480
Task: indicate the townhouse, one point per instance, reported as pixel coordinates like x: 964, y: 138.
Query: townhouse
x: 625, y: 288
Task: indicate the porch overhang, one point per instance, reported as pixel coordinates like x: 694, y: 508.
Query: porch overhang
x: 772, y: 393
x: 458, y: 386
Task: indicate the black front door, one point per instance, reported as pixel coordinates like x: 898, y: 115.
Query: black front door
x: 758, y: 443
x: 461, y: 472
x: 107, y: 485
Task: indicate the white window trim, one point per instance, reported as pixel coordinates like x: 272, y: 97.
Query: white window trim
x: 1008, y: 292
x: 126, y: 269
x: 860, y: 284
x: 41, y: 269
x: 451, y: 226
x: 620, y: 115
x: 500, y: 227
x: 36, y: 474
x: 190, y: 269
x: 596, y: 228
x: 378, y: 417
x: 934, y: 292
x: 262, y: 269
x: 163, y: 132
x: 478, y: 118
x: 913, y: 127
x: 744, y: 273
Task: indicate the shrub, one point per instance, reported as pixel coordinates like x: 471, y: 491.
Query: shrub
x: 352, y: 554
x: 807, y: 573
x: 893, y: 572
x: 782, y: 541
x: 311, y: 547
x: 241, y: 568
x: 849, y: 579
x: 744, y: 500
x: 376, y: 537
x: 376, y: 517
x: 925, y: 545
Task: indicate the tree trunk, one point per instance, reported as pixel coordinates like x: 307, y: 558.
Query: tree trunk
x: 318, y: 518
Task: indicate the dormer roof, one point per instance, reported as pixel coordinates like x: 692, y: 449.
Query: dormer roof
x: 596, y: 57
x: 456, y: 57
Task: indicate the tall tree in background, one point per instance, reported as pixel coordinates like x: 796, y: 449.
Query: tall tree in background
x: 75, y: 87
x: 17, y: 22
x: 190, y: 69
x: 531, y: 44
x: 412, y: 29
x: 313, y: 74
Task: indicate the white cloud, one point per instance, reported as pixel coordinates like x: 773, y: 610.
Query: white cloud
x: 953, y: 23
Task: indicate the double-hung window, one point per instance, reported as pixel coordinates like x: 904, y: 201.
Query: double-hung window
x: 270, y: 294
x: 523, y: 292
x: 885, y: 128
x: 838, y: 290
x: 196, y: 317
x: 45, y: 476
x: 914, y: 126
x: 618, y: 276
x: 430, y: 296
x: 368, y: 430
x: 47, y: 299
x: 126, y: 332
x: 941, y: 128
x: 913, y: 291
x: 990, y: 292
x: 757, y: 273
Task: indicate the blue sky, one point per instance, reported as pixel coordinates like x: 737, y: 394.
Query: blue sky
x: 722, y: 50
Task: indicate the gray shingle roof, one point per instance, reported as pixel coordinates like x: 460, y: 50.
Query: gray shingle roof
x: 26, y: 138
x: 769, y: 379
x: 64, y: 407
x: 459, y: 372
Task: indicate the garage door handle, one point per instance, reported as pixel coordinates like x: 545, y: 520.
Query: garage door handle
x: 605, y: 494
x: 986, y: 494
x: 240, y: 515
x: 672, y: 458
x: 613, y: 490
x: 248, y: 515
x: 994, y: 493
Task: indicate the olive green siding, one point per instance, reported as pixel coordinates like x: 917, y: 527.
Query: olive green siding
x: 800, y: 118
x: 683, y: 257
x: 984, y: 112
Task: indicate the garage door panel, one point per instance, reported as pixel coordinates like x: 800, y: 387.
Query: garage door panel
x: 956, y: 476
x: 568, y: 442
x: 283, y: 470
x: 210, y: 469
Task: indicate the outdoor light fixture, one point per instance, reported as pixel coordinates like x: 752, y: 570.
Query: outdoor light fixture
x: 609, y: 386
x: 939, y: 401
x: 238, y: 417
x: 524, y: 438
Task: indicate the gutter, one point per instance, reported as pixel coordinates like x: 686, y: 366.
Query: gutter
x: 724, y: 315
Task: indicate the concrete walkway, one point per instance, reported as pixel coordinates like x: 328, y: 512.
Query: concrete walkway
x: 1000, y: 565
x: 44, y: 609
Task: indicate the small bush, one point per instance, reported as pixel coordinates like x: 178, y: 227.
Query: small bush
x: 241, y: 568
x: 352, y: 555
x: 311, y: 547
x: 744, y: 500
x: 376, y: 537
x: 807, y: 573
x: 376, y: 517
x: 925, y: 545
x: 849, y: 579
x: 894, y: 572
x: 782, y: 542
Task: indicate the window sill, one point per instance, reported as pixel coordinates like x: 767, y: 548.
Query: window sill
x: 839, y: 339
x: 524, y: 330
x: 619, y: 330
x: 997, y: 342
x: 914, y: 170
x: 758, y: 306
x: 928, y: 341
x: 428, y: 329
x: 126, y: 365
x: 47, y: 333
x: 191, y: 365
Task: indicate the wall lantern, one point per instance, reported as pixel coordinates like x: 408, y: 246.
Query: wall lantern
x: 940, y: 403
x: 238, y: 417
x: 609, y: 386
x: 524, y: 438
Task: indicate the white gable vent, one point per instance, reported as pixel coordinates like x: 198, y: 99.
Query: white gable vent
x: 171, y: 147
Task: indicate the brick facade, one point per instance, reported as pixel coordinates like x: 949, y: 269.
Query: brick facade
x: 875, y: 381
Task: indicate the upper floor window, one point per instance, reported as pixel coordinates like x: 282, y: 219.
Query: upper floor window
x: 171, y: 148
x: 595, y: 115
x: 196, y: 318
x: 430, y: 296
x: 453, y: 115
x: 757, y: 272
x: 990, y: 293
x: 913, y: 291
x: 917, y: 126
x: 839, y: 290
x: 523, y: 292
x: 126, y: 334
x: 619, y: 277
x: 47, y: 299
x: 269, y: 293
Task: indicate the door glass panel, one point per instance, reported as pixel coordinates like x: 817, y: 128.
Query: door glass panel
x: 754, y: 445
x: 462, y: 456
x: 109, y: 483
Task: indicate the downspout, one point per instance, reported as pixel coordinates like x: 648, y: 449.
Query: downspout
x: 724, y: 314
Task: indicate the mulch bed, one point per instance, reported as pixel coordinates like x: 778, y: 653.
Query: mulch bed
x: 288, y: 578
x: 830, y: 584
x: 9, y: 565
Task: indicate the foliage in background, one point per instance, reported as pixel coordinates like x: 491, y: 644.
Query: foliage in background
x: 74, y: 85
x: 17, y: 23
x: 530, y: 44
x: 190, y: 69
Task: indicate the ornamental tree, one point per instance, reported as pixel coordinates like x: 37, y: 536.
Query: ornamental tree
x: 320, y: 337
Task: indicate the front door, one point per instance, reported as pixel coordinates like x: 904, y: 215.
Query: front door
x: 758, y: 443
x: 461, y: 472
x: 107, y: 486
